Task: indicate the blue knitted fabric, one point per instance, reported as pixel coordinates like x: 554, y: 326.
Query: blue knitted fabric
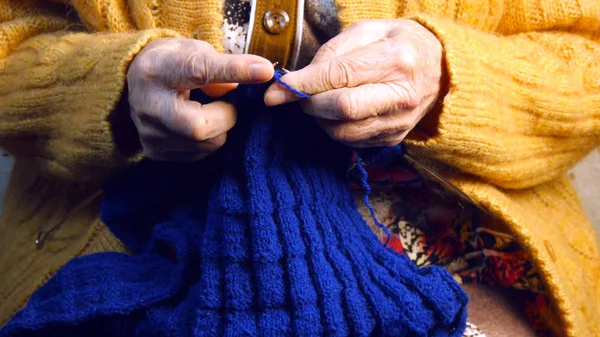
x: 261, y: 239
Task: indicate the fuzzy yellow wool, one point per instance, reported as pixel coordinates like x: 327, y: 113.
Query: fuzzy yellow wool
x: 522, y: 107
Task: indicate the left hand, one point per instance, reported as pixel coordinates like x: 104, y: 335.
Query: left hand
x: 371, y: 84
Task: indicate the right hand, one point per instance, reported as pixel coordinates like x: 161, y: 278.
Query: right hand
x: 170, y: 126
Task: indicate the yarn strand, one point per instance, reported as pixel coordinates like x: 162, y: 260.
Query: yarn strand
x: 364, y: 176
x: 363, y: 173
x: 278, y: 75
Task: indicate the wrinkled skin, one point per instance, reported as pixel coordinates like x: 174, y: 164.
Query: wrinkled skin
x: 371, y: 84
x: 170, y: 126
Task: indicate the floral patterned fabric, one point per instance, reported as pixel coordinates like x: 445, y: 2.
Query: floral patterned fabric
x: 434, y: 227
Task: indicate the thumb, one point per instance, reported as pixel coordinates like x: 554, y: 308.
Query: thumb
x: 369, y: 64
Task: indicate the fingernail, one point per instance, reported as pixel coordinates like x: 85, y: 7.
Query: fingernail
x: 275, y: 97
x: 260, y: 72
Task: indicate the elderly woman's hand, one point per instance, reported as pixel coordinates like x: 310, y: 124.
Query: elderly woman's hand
x: 371, y: 84
x: 170, y: 125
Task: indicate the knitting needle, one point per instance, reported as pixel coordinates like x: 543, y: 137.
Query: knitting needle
x: 447, y: 184
x: 276, y: 63
x: 43, y: 234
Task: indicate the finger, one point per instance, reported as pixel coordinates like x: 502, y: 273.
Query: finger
x: 368, y: 100
x: 371, y: 64
x: 186, y: 70
x: 370, y: 128
x: 228, y: 68
x: 197, y: 121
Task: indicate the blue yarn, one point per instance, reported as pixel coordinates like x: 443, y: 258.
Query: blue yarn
x: 277, y: 77
x: 365, y: 184
x: 262, y: 238
x: 381, y: 156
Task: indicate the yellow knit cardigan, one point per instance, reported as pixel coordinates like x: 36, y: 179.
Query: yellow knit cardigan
x: 523, y: 106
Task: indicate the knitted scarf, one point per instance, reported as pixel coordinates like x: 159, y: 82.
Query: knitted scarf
x: 261, y: 239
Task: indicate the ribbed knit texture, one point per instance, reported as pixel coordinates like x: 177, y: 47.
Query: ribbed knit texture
x: 523, y: 105
x: 263, y: 239
x: 541, y: 58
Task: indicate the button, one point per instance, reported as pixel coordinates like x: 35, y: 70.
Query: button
x: 550, y: 250
x: 276, y: 21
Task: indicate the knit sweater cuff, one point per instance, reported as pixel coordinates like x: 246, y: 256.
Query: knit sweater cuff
x: 450, y: 134
x: 496, y: 120
x: 68, y: 93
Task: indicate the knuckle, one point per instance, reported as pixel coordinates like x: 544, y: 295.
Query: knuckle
x: 343, y: 134
x: 381, y: 131
x: 407, y: 55
x: 337, y: 75
x: 388, y: 46
x: 399, y: 124
x: 403, y: 124
x: 411, y: 100
x: 407, y: 97
x: 193, y: 70
x: 234, y: 68
x: 229, y: 69
x: 347, y: 107
x: 336, y: 134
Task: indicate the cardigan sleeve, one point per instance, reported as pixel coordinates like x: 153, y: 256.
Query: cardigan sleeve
x: 60, y: 89
x: 523, y: 101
